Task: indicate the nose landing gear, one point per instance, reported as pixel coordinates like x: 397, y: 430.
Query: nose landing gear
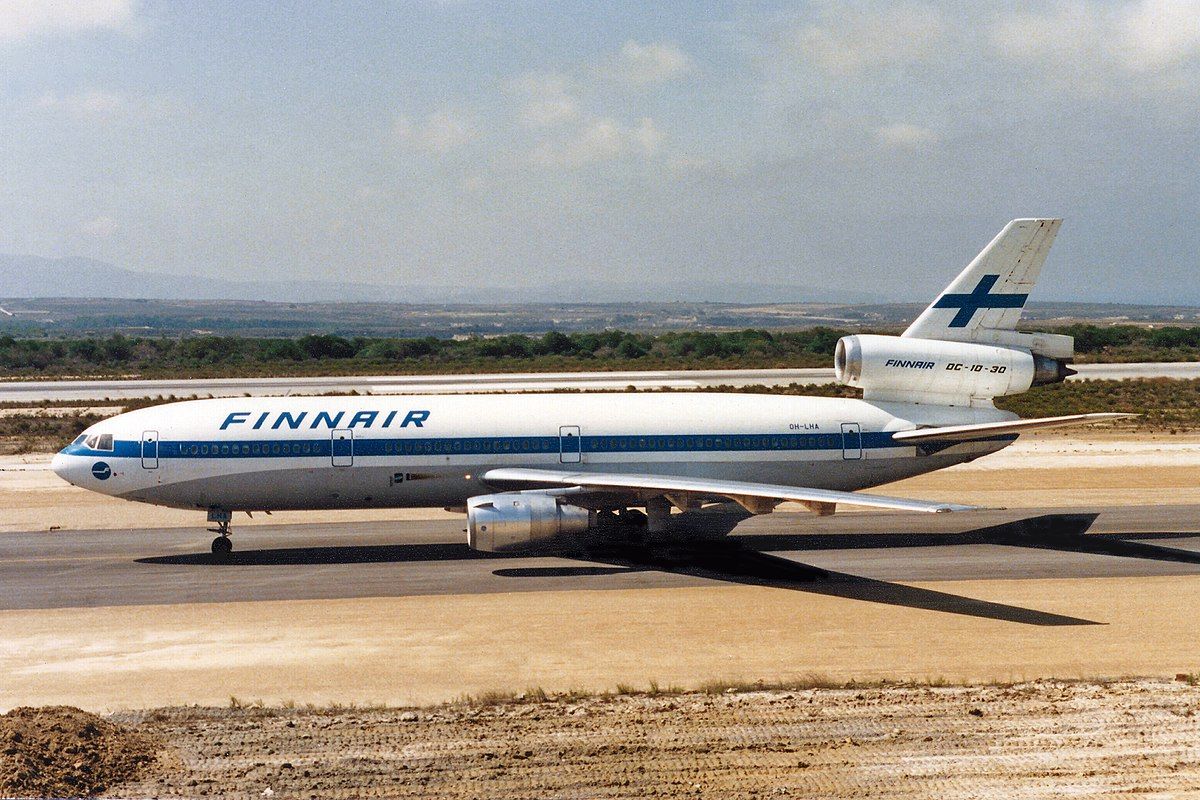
x: 221, y: 545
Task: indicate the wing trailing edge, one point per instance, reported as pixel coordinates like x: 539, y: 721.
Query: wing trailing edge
x: 746, y: 494
x: 963, y: 433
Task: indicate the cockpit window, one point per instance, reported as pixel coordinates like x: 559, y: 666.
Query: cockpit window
x: 97, y: 441
x: 82, y: 436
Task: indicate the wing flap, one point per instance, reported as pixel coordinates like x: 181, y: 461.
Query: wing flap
x: 819, y: 499
x: 963, y: 433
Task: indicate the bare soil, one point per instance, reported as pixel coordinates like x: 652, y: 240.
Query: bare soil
x: 59, y: 751
x: 1040, y: 739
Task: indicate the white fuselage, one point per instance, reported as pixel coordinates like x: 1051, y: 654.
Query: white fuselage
x: 422, y: 451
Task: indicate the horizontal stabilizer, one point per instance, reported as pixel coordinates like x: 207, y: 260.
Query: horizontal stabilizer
x: 962, y: 433
x: 739, y: 491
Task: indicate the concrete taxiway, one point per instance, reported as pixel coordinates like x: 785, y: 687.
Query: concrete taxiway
x: 865, y: 556
x: 38, y: 391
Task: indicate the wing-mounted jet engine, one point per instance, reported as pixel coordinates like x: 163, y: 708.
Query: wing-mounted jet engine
x: 516, y: 520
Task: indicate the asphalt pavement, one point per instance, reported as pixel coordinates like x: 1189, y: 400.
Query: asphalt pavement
x: 868, y: 556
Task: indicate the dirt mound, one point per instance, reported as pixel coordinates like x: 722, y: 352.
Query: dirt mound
x: 60, y: 751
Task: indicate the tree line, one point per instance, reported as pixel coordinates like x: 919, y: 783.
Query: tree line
x: 327, y: 352
x: 613, y: 349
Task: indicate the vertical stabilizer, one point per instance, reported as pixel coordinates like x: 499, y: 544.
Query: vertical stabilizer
x: 990, y: 293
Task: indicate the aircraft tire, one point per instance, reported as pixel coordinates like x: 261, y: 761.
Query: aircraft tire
x: 222, y: 546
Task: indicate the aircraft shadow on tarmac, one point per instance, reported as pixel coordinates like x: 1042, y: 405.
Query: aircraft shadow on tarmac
x: 338, y: 554
x: 746, y: 559
x: 1067, y: 532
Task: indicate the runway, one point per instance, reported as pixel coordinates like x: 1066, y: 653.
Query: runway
x: 69, y: 390
x: 859, y: 556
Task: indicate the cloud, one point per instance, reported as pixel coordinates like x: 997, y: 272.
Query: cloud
x: 440, y: 132
x: 102, y: 105
x: 601, y: 140
x: 1159, y: 33
x: 23, y: 18
x: 905, y: 136
x: 1082, y: 37
x: 650, y: 64
x: 544, y: 99
x: 848, y: 42
x: 100, y: 227
x: 86, y: 103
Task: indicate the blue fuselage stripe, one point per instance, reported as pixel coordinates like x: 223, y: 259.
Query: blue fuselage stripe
x: 490, y: 445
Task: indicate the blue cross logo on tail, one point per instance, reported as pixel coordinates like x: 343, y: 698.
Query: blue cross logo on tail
x: 978, y: 298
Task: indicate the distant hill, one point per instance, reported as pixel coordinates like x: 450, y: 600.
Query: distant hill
x: 23, y: 276
x: 34, y: 276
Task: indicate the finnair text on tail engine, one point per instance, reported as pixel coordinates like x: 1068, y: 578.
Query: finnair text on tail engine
x: 903, y: 364
x: 529, y: 469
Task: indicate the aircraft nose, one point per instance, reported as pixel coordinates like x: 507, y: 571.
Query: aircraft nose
x: 65, y: 467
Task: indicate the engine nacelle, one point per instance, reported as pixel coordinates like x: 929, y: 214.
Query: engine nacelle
x: 511, y: 521
x: 935, y: 371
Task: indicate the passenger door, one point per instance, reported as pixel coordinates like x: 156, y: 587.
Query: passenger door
x: 342, y: 444
x: 570, y: 449
x: 149, y: 449
x: 851, y: 441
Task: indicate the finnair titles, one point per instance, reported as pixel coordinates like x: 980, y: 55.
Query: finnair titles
x: 326, y: 419
x: 564, y: 468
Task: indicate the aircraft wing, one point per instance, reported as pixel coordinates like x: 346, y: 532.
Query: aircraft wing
x: 962, y: 433
x: 755, y: 497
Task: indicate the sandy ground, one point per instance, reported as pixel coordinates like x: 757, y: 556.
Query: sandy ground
x: 61, y: 411
x: 1132, y: 739
x: 406, y: 650
x: 1037, y: 471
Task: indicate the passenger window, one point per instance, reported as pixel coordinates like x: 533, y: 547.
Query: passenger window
x: 106, y: 442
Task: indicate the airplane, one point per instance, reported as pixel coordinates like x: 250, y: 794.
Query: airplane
x: 534, y: 469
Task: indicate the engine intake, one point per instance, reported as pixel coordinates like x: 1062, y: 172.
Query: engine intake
x: 936, y: 371
x: 514, y: 520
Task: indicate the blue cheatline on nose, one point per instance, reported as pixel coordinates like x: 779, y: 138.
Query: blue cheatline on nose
x: 101, y: 471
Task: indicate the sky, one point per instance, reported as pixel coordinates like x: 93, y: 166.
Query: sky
x: 874, y: 147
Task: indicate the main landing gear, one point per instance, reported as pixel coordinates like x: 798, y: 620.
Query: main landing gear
x: 221, y: 545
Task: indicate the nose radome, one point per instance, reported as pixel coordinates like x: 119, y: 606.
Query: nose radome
x: 62, y: 467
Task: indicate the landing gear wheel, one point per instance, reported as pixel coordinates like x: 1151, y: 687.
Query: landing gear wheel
x: 222, y: 546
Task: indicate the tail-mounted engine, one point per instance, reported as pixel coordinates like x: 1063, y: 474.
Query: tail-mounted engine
x: 511, y: 521
x: 914, y: 370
